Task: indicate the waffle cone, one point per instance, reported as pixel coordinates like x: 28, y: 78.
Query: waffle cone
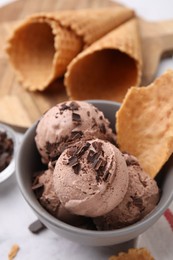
x: 107, y: 68
x: 42, y: 46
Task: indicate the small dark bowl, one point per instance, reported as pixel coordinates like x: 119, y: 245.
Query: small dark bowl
x: 28, y: 161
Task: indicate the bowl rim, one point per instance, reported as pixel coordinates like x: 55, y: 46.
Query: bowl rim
x: 10, y: 169
x: 142, y: 224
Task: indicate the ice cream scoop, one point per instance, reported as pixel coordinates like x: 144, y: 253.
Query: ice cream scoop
x: 141, y: 198
x: 50, y: 201
x: 66, y: 123
x: 91, y: 178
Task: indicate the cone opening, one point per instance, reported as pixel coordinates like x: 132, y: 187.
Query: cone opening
x: 104, y: 74
x: 32, y: 51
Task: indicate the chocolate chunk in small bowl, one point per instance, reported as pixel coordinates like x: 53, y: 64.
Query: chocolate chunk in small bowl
x: 8, y: 146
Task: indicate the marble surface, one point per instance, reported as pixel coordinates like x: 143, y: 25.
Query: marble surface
x: 16, y: 215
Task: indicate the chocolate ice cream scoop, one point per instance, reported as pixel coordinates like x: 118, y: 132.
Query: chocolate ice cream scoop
x: 141, y: 198
x: 50, y: 201
x: 91, y: 178
x: 66, y: 123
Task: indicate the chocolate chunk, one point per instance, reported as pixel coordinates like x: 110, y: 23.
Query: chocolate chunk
x: 76, y: 118
x: 36, y: 227
x: 88, y: 113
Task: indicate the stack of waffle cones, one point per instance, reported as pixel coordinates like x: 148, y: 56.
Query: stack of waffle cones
x: 98, y: 51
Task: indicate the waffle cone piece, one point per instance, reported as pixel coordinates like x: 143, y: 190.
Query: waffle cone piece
x: 42, y: 46
x: 144, y: 123
x: 107, y: 68
x: 134, y: 254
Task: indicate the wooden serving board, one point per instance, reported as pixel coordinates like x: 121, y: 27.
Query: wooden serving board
x: 19, y: 107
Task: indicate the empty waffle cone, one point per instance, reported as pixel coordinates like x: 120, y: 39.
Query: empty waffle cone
x: 42, y: 46
x: 107, y: 68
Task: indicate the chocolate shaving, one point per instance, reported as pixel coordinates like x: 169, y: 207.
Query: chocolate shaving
x: 76, y: 168
x: 83, y: 149
x: 90, y: 156
x: 73, y: 160
x: 75, y: 135
x: 37, y: 186
x: 97, y: 163
x: 106, y: 175
x: 38, y: 189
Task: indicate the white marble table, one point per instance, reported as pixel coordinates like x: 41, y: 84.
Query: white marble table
x: 15, y: 214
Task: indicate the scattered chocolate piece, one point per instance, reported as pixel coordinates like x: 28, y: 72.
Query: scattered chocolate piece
x: 88, y: 113
x: 36, y: 227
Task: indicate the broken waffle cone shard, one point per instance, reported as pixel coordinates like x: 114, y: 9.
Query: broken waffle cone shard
x: 44, y: 44
x: 144, y: 123
x: 107, y: 68
x: 133, y: 254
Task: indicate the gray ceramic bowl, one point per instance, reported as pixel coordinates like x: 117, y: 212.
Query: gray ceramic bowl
x: 28, y: 161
